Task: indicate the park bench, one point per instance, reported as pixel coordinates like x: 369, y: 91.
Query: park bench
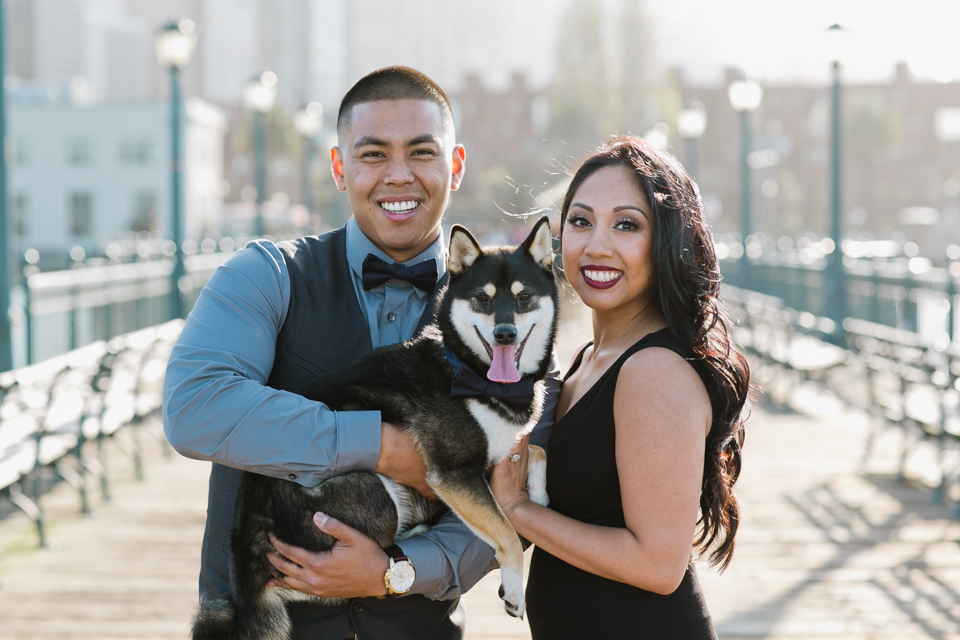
x: 50, y: 410
x: 786, y: 342
x: 912, y: 386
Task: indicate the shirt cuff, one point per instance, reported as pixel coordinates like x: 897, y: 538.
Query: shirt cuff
x: 358, y: 441
x: 430, y: 564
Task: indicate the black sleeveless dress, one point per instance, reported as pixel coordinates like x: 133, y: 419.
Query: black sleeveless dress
x: 564, y: 602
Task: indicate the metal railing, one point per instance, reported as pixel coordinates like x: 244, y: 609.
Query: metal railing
x: 882, y: 291
x: 58, y: 311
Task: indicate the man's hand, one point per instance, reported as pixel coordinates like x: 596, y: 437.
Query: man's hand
x: 401, y: 460
x: 353, y: 568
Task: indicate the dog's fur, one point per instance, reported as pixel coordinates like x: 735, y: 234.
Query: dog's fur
x: 495, y: 297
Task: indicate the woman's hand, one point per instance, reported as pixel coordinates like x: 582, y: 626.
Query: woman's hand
x: 508, y: 480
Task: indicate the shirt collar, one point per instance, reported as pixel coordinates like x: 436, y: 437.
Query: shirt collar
x: 359, y: 245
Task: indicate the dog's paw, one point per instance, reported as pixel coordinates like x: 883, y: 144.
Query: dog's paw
x: 515, y: 610
x: 537, y: 476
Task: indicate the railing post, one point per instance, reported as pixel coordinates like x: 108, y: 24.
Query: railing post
x: 28, y: 319
x: 951, y: 301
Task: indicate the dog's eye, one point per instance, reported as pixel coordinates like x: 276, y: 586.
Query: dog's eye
x: 524, y: 297
x: 482, y: 298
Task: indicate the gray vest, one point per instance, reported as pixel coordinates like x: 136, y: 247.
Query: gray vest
x: 324, y: 329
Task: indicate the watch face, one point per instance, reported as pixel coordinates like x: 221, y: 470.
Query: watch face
x: 402, y: 576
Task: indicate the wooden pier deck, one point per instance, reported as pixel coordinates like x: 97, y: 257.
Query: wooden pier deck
x: 826, y: 550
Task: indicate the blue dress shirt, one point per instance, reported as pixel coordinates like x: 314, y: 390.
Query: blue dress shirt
x: 217, y: 404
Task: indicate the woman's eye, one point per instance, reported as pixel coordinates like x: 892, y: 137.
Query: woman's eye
x: 625, y: 225
x: 579, y: 221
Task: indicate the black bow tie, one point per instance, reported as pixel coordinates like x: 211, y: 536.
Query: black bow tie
x: 467, y: 383
x: 422, y: 275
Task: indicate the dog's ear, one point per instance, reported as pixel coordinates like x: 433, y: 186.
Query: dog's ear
x: 539, y: 244
x: 464, y: 250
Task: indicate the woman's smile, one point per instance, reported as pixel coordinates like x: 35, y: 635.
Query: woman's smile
x: 601, y: 277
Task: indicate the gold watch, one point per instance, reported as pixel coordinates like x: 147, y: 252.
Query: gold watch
x: 401, y: 574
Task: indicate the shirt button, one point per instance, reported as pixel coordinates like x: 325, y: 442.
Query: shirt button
x: 292, y: 476
x: 391, y: 316
x: 357, y: 608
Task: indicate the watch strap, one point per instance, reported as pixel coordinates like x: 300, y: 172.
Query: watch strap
x: 396, y: 554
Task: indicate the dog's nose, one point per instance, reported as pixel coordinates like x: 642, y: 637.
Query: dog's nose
x: 505, y: 334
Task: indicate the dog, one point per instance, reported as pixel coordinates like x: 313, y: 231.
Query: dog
x: 497, y: 315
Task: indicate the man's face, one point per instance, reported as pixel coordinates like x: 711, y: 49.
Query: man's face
x: 398, y: 164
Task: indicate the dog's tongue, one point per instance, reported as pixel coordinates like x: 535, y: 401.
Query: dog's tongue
x: 504, y: 365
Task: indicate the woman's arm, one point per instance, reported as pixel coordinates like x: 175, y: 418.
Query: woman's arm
x: 662, y: 414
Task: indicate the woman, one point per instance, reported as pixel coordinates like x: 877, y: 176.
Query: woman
x: 646, y: 445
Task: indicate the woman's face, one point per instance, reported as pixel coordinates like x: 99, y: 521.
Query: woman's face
x: 607, y: 241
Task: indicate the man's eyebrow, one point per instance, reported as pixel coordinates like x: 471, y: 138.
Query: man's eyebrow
x: 372, y: 141
x: 426, y: 138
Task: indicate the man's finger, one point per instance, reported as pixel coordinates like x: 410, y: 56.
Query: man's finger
x: 333, y: 527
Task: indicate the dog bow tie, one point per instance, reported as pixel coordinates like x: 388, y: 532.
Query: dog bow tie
x: 467, y: 383
x: 422, y: 275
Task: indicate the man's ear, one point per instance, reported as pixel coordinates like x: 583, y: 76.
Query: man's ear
x: 459, y: 160
x: 336, y: 168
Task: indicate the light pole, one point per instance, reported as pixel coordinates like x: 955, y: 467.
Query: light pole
x: 6, y: 353
x: 308, y: 122
x: 835, y: 37
x: 745, y: 97
x: 174, y: 45
x: 691, y: 123
x: 260, y: 95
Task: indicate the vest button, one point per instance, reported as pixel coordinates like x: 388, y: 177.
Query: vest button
x: 391, y: 316
x: 358, y: 607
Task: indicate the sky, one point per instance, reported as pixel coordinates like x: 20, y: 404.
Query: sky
x: 780, y: 40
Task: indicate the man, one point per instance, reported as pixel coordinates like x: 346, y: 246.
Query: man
x: 274, y: 316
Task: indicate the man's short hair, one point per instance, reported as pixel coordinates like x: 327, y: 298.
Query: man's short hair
x: 393, y: 83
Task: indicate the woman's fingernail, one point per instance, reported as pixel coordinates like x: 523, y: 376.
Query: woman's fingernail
x: 321, y: 519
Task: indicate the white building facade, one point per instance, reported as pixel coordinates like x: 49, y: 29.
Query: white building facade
x: 79, y: 174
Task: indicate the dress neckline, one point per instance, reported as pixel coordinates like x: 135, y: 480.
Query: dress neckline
x: 629, y: 351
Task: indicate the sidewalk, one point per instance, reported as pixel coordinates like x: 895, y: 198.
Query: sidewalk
x: 826, y: 550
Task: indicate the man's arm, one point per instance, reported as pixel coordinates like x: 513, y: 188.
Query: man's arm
x: 216, y: 403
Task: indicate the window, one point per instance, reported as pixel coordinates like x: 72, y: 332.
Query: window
x: 144, y: 212
x: 136, y: 151
x: 18, y: 215
x: 79, y: 151
x: 21, y: 152
x: 81, y: 213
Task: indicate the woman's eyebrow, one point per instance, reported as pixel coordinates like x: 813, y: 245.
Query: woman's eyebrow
x: 580, y: 205
x: 630, y: 207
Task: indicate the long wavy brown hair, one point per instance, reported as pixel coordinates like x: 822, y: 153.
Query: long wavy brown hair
x: 687, y: 281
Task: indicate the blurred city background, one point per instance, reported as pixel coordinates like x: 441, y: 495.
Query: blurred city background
x: 147, y: 140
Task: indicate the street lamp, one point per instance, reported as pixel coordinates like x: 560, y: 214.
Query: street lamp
x: 691, y: 123
x: 6, y: 347
x: 260, y: 95
x: 174, y: 45
x: 308, y: 122
x: 745, y: 97
x: 835, y: 40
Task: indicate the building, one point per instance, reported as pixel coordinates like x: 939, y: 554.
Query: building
x: 77, y: 174
x: 900, y: 159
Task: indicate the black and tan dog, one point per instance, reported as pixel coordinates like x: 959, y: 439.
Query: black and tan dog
x: 497, y: 318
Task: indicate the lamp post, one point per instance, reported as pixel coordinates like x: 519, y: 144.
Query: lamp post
x: 308, y: 122
x: 691, y: 123
x: 835, y: 37
x: 260, y: 95
x: 745, y: 97
x: 174, y: 45
x: 6, y: 348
